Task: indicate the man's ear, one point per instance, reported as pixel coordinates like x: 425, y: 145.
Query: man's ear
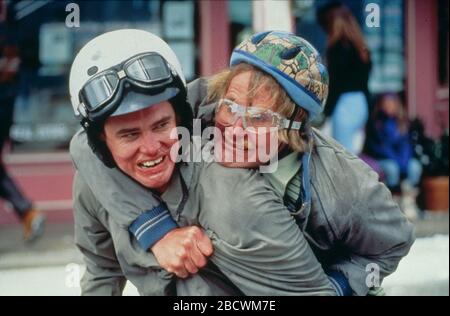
x: 102, y: 137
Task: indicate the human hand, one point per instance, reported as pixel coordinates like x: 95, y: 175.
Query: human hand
x: 183, y: 251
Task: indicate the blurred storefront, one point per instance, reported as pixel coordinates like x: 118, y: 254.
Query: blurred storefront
x: 43, y: 116
x: 48, y: 35
x: 409, y: 52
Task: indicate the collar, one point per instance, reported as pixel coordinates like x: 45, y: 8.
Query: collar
x: 177, y: 192
x: 288, y: 167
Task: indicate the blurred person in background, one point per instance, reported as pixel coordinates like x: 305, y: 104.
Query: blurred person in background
x: 389, y: 141
x: 349, y: 64
x: 33, y: 221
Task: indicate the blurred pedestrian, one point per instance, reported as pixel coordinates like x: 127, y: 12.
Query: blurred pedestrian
x: 389, y: 141
x: 349, y: 66
x: 33, y: 221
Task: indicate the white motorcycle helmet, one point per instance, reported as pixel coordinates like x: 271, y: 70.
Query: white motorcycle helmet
x: 121, y: 72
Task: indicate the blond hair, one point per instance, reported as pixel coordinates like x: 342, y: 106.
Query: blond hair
x: 218, y: 86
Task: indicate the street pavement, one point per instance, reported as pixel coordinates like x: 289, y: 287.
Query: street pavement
x: 53, y: 265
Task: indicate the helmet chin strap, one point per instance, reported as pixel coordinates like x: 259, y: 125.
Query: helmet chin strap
x: 305, y: 192
x: 303, y: 203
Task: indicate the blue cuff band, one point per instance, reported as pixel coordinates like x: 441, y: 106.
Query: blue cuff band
x: 340, y: 283
x: 151, y: 226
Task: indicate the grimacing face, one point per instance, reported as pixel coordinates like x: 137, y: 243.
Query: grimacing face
x: 253, y: 143
x: 140, y: 144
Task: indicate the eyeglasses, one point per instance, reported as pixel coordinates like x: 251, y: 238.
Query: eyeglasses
x: 228, y: 112
x: 147, y: 71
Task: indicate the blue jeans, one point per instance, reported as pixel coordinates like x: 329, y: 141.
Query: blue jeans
x: 349, y: 118
x: 392, y: 172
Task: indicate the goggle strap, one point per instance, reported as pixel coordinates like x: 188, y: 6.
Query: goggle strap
x: 291, y: 119
x: 290, y: 124
x: 82, y: 110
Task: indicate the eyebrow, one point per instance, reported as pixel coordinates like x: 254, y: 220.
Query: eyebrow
x: 135, y: 129
x: 233, y: 99
x: 162, y: 120
x: 229, y: 97
x: 126, y: 131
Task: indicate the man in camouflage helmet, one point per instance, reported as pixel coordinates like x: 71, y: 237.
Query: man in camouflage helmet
x: 347, y: 216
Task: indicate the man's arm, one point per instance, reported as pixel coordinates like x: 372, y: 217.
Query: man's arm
x: 103, y: 274
x: 257, y: 243
x: 197, y: 91
x: 178, y: 250
x: 376, y: 234
x: 203, y: 108
x: 99, y: 238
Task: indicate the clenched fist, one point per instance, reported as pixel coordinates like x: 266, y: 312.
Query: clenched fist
x: 183, y: 251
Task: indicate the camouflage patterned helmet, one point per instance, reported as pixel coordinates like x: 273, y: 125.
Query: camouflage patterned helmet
x: 292, y: 61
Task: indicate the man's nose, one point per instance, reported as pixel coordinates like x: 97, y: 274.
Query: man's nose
x: 149, y: 145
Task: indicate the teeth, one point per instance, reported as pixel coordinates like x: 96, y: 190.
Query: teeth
x: 151, y: 163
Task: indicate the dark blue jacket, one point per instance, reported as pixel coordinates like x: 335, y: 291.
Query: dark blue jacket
x: 386, y: 141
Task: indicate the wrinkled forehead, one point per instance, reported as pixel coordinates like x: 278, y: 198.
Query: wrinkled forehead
x: 145, y: 116
x: 252, y: 87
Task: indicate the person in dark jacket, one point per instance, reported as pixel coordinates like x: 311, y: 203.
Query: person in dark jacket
x: 389, y: 141
x: 349, y: 64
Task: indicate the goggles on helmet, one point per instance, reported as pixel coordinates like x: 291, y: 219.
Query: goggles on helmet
x: 148, y: 72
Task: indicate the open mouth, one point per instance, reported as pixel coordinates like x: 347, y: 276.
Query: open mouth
x: 151, y: 163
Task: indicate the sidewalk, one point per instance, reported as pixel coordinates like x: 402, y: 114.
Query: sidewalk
x: 52, y: 265
x: 49, y: 267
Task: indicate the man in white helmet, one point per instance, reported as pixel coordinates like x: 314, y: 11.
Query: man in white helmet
x: 129, y: 93
x: 101, y: 101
